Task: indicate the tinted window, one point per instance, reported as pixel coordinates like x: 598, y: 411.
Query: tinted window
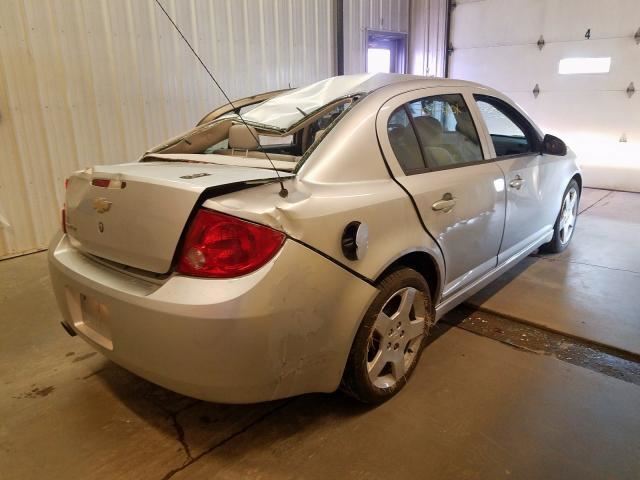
x: 446, y: 131
x: 404, y: 143
x: 509, y: 132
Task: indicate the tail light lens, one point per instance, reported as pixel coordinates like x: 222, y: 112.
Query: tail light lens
x: 221, y: 246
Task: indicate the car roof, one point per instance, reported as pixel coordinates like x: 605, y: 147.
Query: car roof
x: 283, y: 111
x: 345, y: 85
x: 398, y: 82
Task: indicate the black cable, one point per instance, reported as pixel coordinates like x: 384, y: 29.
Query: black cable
x: 283, y: 191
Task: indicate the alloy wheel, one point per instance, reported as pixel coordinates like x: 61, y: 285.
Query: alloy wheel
x: 396, y: 337
x: 568, y: 216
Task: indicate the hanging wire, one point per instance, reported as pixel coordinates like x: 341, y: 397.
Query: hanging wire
x: 283, y: 191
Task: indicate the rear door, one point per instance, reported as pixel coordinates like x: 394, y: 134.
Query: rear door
x: 434, y: 150
x: 515, y: 145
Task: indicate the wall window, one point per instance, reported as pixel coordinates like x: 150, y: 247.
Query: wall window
x: 445, y: 130
x: 386, y: 52
x: 378, y: 60
x: 511, y: 134
x: 574, y: 65
x: 404, y: 143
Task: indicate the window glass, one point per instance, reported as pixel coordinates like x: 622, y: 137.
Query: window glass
x: 286, y: 109
x: 325, y: 121
x: 269, y: 140
x: 508, y: 138
x: 221, y: 145
x: 446, y: 131
x: 404, y: 143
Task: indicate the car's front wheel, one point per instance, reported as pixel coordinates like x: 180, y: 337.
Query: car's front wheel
x: 566, y: 221
x: 389, y: 341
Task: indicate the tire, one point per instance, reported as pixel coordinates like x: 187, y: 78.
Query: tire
x: 390, y: 338
x: 561, y: 236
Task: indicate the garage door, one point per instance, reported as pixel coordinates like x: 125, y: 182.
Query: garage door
x: 500, y: 43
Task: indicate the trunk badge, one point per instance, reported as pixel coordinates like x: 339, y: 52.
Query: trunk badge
x: 101, y: 205
x: 195, y: 175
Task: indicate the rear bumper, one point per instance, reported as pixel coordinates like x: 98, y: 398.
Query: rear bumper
x: 283, y: 330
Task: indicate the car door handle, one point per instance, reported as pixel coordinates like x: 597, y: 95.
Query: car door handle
x: 445, y: 205
x: 516, y: 182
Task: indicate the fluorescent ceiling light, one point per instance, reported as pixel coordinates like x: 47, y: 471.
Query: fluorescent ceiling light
x: 378, y: 60
x: 570, y: 66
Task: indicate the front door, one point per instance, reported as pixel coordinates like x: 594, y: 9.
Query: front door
x: 459, y: 193
x: 528, y: 175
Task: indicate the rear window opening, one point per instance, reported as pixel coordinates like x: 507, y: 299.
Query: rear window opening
x: 287, y: 123
x: 230, y: 136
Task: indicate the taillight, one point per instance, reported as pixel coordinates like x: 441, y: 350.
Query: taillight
x: 221, y: 246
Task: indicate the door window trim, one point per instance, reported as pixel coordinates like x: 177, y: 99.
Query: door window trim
x: 463, y: 165
x: 520, y: 121
x: 427, y: 167
x: 408, y: 171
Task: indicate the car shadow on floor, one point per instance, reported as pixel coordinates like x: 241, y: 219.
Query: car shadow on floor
x: 201, y: 427
x: 503, y: 280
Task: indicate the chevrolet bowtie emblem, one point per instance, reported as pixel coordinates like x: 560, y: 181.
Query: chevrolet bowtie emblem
x: 101, y: 205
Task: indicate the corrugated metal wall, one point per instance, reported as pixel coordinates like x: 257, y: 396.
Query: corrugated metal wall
x: 360, y: 15
x: 100, y: 81
x: 428, y: 39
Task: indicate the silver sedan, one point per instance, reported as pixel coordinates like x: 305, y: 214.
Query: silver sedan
x: 305, y: 240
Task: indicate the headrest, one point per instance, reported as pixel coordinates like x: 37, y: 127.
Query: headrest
x: 429, y: 130
x: 318, y: 135
x: 466, y: 128
x: 243, y: 137
x: 402, y: 134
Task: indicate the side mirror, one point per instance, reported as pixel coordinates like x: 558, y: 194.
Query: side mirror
x: 553, y: 146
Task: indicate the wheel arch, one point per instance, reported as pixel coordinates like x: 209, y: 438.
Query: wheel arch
x: 422, y: 262
x: 578, y: 178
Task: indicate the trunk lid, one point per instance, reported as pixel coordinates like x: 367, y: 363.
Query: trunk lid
x: 134, y: 214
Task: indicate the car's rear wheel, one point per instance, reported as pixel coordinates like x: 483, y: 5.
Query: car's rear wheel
x: 566, y: 221
x: 389, y: 341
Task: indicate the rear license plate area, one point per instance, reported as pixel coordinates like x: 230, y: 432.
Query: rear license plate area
x: 91, y: 317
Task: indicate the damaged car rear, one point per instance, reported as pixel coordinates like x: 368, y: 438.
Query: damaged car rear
x: 275, y: 249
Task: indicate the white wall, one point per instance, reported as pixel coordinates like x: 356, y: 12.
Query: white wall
x: 428, y: 37
x: 495, y: 44
x: 360, y: 15
x: 423, y: 20
x: 86, y: 82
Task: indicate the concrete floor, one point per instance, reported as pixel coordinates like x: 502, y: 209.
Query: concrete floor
x: 475, y: 408
x: 591, y: 289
